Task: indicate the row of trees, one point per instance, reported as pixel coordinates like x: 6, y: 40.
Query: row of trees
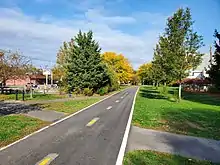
x: 145, y: 73
x: 81, y: 66
x: 176, y: 52
x: 120, y: 65
x: 149, y: 75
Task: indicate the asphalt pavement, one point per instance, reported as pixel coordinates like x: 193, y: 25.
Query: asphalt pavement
x: 187, y: 146
x: 92, y: 137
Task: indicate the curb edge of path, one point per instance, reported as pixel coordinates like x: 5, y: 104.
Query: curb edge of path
x: 57, y: 122
x: 125, y: 137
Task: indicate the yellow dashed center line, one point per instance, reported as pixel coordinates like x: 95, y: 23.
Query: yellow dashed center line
x: 45, y: 161
x: 93, y: 121
x: 48, y: 159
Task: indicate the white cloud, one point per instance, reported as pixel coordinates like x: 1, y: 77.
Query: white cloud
x: 150, y: 18
x: 42, y: 38
x: 95, y: 16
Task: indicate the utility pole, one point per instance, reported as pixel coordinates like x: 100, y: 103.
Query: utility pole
x: 46, y: 79
x: 210, y: 51
x: 51, y: 75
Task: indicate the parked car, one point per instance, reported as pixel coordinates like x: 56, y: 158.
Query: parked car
x: 31, y: 84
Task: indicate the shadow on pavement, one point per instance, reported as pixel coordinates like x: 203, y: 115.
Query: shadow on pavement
x: 192, y: 147
x: 187, y: 146
x: 16, y: 108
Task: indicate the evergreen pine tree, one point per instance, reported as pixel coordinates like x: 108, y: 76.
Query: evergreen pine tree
x: 84, y: 65
x: 214, y: 71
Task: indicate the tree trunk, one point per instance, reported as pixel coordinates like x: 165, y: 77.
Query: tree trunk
x: 157, y: 85
x: 165, y: 84
x: 180, y: 88
x: 4, y: 82
x: 31, y: 92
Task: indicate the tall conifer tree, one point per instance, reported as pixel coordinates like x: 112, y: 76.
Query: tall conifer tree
x: 214, y: 71
x: 84, y: 65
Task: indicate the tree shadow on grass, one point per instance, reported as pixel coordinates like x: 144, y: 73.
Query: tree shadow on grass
x: 195, y: 122
x: 198, y: 123
x: 16, y: 108
x: 151, y: 94
x: 203, y: 98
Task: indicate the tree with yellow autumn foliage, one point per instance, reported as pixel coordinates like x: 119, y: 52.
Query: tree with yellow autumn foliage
x: 145, y: 73
x: 120, y: 65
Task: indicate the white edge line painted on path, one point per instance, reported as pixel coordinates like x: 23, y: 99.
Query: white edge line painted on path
x: 59, y: 121
x: 110, y: 107
x: 125, y: 138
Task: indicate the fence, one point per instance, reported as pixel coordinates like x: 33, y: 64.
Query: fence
x: 16, y: 91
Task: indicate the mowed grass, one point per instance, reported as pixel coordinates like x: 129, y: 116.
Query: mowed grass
x: 36, y: 96
x: 157, y: 158
x: 14, y: 127
x: 70, y: 106
x: 196, y: 114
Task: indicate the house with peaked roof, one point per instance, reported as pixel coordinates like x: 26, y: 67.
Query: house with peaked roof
x: 200, y: 72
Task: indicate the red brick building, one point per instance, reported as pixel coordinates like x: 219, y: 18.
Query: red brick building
x: 34, y: 79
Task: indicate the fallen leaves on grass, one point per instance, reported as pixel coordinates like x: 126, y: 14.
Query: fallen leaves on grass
x: 141, y: 157
x: 70, y: 106
x: 196, y: 115
x: 14, y: 127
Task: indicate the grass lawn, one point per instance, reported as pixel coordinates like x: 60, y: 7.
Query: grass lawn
x: 41, y: 96
x: 14, y: 127
x: 36, y: 96
x: 156, y: 158
x: 196, y: 114
x: 70, y: 106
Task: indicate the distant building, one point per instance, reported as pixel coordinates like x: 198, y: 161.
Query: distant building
x: 33, y: 79
x: 200, y: 71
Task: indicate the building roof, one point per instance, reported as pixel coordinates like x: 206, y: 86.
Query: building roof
x: 204, y: 64
x: 38, y: 76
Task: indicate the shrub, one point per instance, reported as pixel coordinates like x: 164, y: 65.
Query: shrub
x: 213, y: 89
x: 102, y: 91
x: 88, y: 92
x: 114, y: 87
x: 163, y: 90
x: 77, y: 91
x: 113, y: 84
x: 4, y: 97
x: 172, y: 98
x: 176, y: 94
